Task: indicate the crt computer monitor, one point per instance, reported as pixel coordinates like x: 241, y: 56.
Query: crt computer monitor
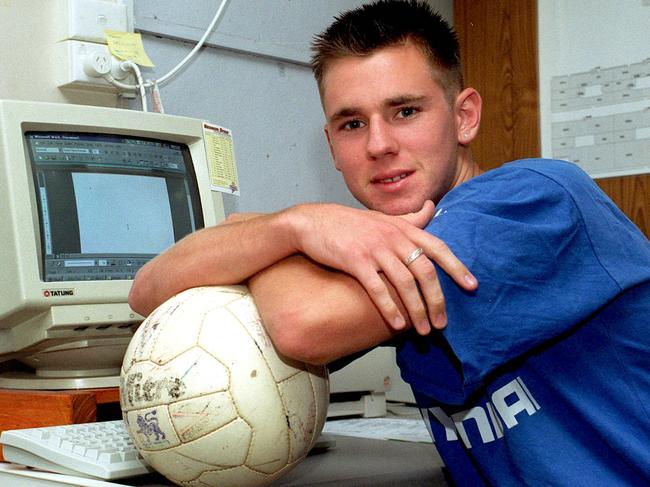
x: 87, y: 196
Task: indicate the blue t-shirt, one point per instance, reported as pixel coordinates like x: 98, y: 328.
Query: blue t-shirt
x: 542, y: 376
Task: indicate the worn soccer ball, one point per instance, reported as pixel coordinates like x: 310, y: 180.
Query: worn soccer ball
x: 208, y: 400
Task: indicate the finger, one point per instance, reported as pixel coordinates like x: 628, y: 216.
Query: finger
x: 426, y: 275
x: 406, y: 287
x: 439, y: 252
x: 380, y: 295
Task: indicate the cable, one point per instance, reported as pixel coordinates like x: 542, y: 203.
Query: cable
x: 130, y: 65
x: 138, y: 76
x: 217, y: 16
x: 141, y: 85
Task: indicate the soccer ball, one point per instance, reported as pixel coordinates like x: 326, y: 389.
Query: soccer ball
x: 208, y: 400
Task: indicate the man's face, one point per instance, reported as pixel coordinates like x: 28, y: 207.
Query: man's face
x: 391, y: 129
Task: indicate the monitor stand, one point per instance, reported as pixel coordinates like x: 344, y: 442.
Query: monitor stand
x: 83, y: 364
x: 31, y: 381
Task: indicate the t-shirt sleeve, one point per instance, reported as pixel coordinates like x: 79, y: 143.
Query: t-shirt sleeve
x: 523, y: 236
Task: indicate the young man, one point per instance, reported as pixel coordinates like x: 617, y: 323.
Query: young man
x: 541, y: 376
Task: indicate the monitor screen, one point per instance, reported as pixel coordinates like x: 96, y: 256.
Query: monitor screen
x: 109, y: 203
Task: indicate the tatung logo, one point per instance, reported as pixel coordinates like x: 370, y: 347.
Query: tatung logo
x: 505, y: 408
x: 48, y: 293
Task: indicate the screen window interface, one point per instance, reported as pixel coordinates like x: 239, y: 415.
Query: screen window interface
x: 108, y: 204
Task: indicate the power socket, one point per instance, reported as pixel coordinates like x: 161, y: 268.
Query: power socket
x: 82, y: 64
x: 97, y: 63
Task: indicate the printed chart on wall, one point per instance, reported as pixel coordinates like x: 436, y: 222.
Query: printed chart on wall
x: 221, y: 159
x: 594, y: 71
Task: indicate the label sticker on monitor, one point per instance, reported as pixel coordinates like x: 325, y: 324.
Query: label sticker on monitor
x: 48, y: 293
x: 221, y: 159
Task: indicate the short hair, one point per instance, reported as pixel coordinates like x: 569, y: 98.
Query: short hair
x: 384, y: 23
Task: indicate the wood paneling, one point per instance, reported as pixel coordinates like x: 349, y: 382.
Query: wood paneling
x: 632, y: 195
x: 498, y: 42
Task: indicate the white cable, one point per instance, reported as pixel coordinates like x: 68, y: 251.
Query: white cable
x: 108, y: 77
x: 130, y: 65
x: 217, y: 16
x: 138, y: 76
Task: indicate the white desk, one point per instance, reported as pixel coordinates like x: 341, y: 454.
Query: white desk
x: 353, y: 462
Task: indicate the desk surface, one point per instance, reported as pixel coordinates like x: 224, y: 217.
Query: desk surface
x: 365, y: 462
x: 357, y: 462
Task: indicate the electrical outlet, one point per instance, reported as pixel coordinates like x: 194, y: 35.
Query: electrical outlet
x: 97, y: 63
x: 84, y: 63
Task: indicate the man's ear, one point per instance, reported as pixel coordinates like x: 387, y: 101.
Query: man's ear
x: 329, y: 144
x: 468, y: 115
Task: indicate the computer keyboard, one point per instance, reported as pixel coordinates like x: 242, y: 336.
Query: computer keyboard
x: 103, y: 450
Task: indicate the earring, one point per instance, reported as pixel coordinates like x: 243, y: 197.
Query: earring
x: 466, y: 135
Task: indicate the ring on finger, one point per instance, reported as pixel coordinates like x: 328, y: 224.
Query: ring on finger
x: 413, y: 255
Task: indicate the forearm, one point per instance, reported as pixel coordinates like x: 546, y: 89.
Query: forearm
x: 366, y: 245
x: 220, y: 255
x: 316, y: 314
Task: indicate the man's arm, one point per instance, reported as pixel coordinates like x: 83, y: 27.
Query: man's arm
x: 315, y: 314
x: 225, y: 254
x: 367, y: 245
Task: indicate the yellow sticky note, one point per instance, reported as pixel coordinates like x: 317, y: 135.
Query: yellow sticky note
x: 127, y: 45
x: 221, y: 159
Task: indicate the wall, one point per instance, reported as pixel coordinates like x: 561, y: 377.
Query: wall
x: 32, y: 60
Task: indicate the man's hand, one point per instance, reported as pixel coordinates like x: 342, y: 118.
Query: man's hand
x: 365, y: 244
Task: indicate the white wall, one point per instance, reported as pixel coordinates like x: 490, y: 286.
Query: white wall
x: 32, y: 61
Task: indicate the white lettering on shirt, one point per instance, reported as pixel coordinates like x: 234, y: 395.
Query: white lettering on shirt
x: 505, y: 407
